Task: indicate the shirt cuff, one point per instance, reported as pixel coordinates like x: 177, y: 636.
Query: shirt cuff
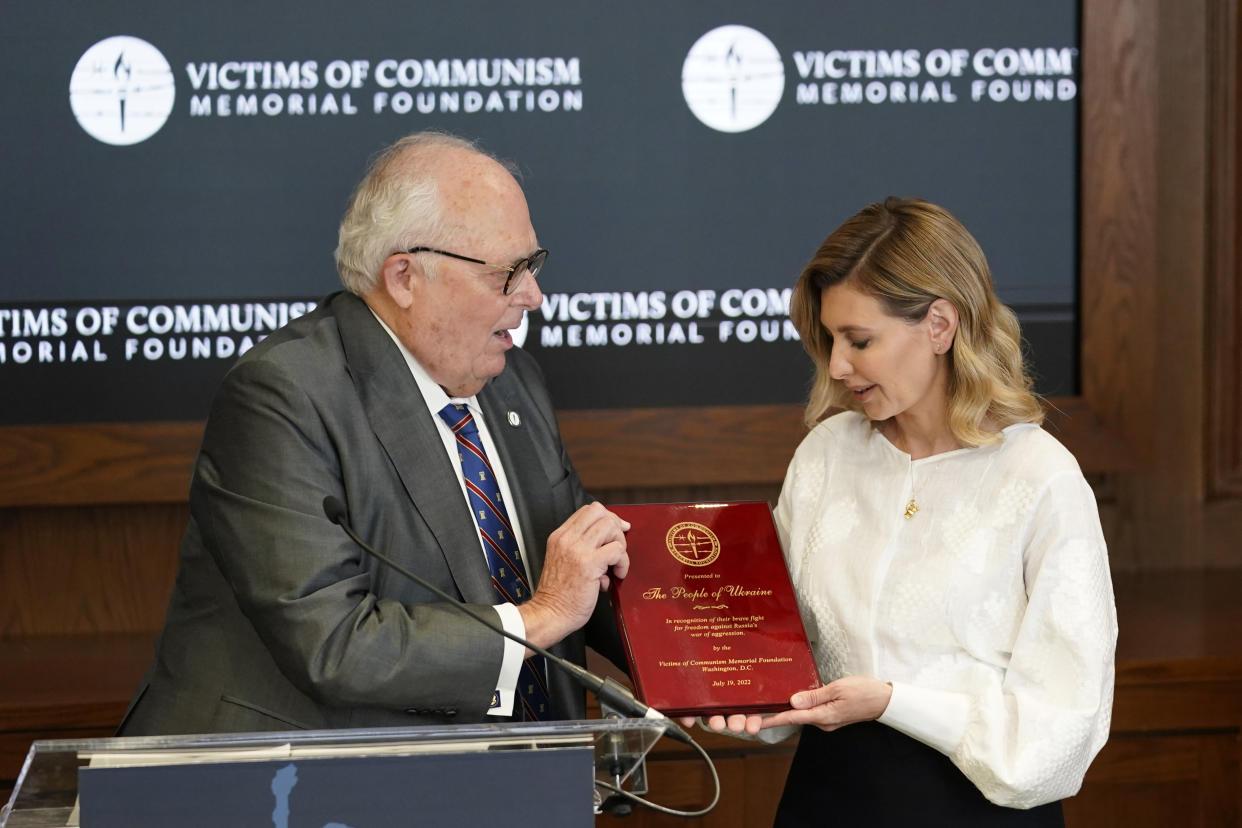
x: 935, y: 717
x: 511, y: 661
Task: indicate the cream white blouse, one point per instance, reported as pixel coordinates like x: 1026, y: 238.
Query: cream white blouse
x: 990, y: 609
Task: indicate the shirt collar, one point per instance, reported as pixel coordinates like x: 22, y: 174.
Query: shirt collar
x: 433, y: 395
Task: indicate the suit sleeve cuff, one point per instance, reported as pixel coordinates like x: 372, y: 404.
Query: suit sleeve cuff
x: 511, y: 661
x: 935, y: 717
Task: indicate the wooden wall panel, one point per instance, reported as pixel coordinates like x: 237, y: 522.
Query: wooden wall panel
x: 1157, y: 781
x: 87, y: 569
x: 1120, y: 243
x: 1118, y: 210
x: 1160, y: 360
x: 96, y: 463
x: 1224, y: 320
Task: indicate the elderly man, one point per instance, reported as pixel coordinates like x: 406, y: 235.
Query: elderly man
x: 404, y: 399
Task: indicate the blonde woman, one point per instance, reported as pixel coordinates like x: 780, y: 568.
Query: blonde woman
x: 946, y: 550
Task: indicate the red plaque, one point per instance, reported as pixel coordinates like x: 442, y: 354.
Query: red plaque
x: 707, y: 613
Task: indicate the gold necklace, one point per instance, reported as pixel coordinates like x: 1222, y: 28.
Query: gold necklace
x: 912, y: 508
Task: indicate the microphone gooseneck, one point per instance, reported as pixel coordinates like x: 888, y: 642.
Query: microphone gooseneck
x: 608, y: 691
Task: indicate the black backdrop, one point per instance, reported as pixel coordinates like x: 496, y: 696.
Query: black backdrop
x: 170, y: 195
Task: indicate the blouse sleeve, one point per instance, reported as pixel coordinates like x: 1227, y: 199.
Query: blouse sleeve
x: 1025, y: 734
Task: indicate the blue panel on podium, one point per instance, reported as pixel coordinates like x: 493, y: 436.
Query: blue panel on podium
x: 509, y: 787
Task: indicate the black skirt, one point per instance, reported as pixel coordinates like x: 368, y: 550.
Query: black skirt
x: 868, y: 771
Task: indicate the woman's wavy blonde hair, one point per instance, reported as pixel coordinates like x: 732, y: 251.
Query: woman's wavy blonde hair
x: 907, y: 253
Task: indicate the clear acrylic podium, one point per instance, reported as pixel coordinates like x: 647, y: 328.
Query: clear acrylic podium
x: 524, y: 773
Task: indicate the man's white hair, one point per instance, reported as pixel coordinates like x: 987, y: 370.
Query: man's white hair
x: 396, y: 206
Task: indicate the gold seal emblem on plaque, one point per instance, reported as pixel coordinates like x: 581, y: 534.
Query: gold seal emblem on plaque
x: 692, y: 543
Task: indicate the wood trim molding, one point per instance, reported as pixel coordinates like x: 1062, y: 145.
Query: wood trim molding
x: 97, y: 463
x: 633, y: 448
x: 1223, y: 343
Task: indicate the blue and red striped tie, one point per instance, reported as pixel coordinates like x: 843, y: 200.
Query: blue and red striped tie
x: 500, y: 545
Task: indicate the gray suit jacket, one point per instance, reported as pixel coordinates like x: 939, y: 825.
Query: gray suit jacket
x: 277, y: 619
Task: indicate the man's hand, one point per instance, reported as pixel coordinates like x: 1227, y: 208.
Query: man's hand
x: 836, y: 704
x: 580, y: 555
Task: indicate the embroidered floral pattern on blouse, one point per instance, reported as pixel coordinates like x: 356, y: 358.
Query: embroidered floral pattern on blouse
x: 991, y: 611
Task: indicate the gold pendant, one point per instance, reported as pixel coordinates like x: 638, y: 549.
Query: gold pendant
x: 911, y: 509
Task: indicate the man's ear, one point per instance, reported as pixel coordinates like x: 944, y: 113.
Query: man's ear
x: 400, y: 277
x: 942, y: 324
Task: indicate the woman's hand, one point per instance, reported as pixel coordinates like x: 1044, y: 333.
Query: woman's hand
x: 853, y: 698
x: 735, y: 722
x: 836, y: 704
x: 844, y: 701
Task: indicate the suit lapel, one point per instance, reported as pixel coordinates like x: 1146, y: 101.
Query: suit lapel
x: 404, y: 428
x: 510, y: 417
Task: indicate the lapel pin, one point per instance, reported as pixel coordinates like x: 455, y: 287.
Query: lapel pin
x: 514, y: 419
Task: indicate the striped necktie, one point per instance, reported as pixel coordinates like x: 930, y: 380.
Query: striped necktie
x: 500, y: 546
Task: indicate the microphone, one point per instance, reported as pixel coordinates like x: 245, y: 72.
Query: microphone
x: 607, y: 690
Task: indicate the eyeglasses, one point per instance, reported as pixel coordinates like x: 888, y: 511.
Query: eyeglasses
x: 517, y: 271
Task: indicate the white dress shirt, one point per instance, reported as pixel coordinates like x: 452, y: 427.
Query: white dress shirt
x: 990, y: 610
x: 510, y: 618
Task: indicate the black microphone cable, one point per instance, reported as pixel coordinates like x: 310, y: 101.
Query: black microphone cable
x: 619, y: 791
